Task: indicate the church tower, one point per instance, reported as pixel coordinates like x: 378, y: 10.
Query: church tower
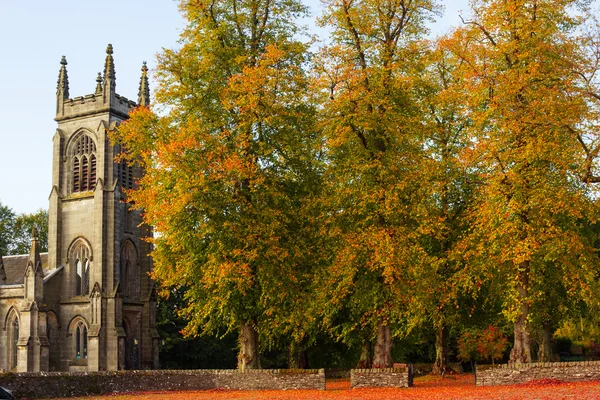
x: 105, y: 296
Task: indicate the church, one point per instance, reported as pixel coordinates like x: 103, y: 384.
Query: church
x: 88, y: 304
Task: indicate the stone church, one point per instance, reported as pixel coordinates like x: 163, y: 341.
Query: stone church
x: 88, y: 304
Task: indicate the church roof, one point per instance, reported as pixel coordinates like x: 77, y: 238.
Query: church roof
x: 14, y: 267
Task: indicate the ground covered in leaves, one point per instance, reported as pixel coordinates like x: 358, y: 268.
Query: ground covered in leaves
x: 428, y: 387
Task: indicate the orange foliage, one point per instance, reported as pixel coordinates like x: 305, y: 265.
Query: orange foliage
x: 428, y: 387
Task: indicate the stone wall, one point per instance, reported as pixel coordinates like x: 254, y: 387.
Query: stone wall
x: 382, y: 377
x: 509, y: 374
x: 64, y: 384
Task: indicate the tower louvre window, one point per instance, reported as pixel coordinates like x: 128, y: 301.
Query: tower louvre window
x: 76, y: 173
x: 92, y: 172
x: 129, y: 177
x: 83, y: 154
x: 84, y: 174
x: 124, y: 171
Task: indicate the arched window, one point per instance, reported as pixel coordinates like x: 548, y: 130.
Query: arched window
x: 80, y: 258
x: 81, y: 341
x: 129, y: 285
x: 12, y: 336
x: 82, y: 152
x: 15, y: 342
x: 124, y: 171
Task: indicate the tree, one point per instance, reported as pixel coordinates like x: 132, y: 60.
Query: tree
x: 229, y: 169
x: 519, y: 58
x: 492, y: 343
x: 23, y: 227
x: 371, y: 123
x: 15, y: 231
x: 7, y: 222
x: 482, y: 344
x: 447, y: 185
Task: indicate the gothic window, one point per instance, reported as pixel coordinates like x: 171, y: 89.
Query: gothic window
x: 83, y: 155
x: 82, y: 279
x: 80, y: 258
x: 129, y: 285
x: 124, y: 172
x: 81, y: 341
x: 13, y: 340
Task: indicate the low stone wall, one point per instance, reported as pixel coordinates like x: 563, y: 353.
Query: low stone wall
x: 382, y: 377
x: 510, y: 374
x: 64, y: 384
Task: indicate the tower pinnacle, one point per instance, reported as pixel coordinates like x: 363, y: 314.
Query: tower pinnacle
x: 99, y: 84
x: 62, y: 87
x: 34, y: 255
x: 144, y: 90
x: 110, y: 78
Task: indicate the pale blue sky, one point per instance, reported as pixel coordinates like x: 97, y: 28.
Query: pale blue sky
x: 35, y: 34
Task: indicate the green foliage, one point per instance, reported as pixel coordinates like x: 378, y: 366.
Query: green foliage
x: 230, y: 170
x: 15, y: 231
x: 179, y: 352
x: 7, y: 222
x: 23, y: 227
x: 385, y: 182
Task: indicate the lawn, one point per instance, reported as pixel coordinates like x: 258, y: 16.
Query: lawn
x: 426, y: 388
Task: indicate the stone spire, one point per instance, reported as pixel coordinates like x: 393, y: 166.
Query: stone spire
x: 144, y: 90
x: 99, y: 84
x: 62, y: 88
x: 34, y: 274
x: 2, y: 271
x: 110, y: 84
x: 34, y: 254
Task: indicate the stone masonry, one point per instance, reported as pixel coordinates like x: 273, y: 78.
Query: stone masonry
x: 52, y: 385
x: 88, y: 304
x: 383, y: 377
x: 510, y: 374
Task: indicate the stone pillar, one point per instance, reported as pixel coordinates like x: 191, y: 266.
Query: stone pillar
x: 115, y: 334
x: 94, y: 357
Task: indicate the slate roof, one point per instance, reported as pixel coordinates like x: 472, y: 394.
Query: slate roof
x: 14, y: 266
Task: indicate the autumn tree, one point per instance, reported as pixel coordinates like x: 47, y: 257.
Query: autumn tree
x: 446, y: 187
x: 229, y: 168
x: 519, y: 58
x: 371, y: 124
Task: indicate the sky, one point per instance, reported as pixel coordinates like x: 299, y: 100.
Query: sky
x: 34, y: 34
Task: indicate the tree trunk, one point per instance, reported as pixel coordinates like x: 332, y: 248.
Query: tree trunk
x: 545, y: 350
x: 441, y: 350
x: 297, y: 357
x: 248, y: 357
x: 521, y: 351
x: 366, y: 361
x: 383, y: 348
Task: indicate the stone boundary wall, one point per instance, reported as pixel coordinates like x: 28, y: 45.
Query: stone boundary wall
x: 381, y: 377
x: 510, y: 374
x: 65, y: 384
